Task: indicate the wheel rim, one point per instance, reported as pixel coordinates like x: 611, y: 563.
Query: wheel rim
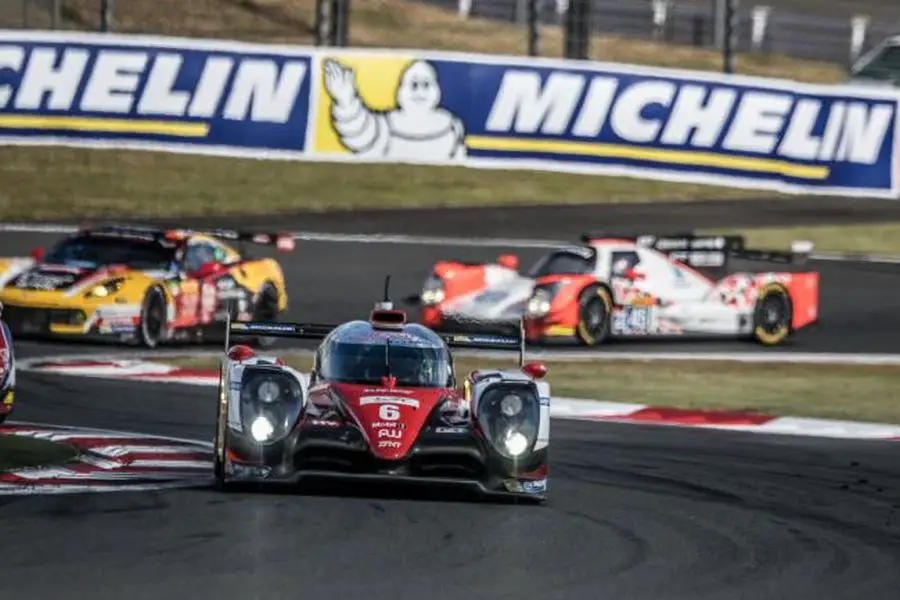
x: 594, y: 318
x: 772, y: 313
x: 153, y: 321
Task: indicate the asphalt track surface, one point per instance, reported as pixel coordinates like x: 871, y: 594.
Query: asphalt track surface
x: 636, y: 512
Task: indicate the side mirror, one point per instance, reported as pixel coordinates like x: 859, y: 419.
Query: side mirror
x: 207, y: 269
x: 37, y: 254
x: 510, y: 261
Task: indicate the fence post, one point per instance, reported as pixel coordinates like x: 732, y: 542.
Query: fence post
x: 56, y: 14
x: 534, y: 28
x: 106, y: 15
x: 729, y: 9
x: 464, y: 8
x: 660, y: 18
x: 578, y: 29
x: 760, y: 26
x: 342, y: 14
x: 859, y: 28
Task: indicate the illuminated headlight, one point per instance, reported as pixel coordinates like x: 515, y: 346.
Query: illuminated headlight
x: 515, y: 443
x: 509, y: 416
x: 105, y: 289
x: 271, y: 402
x: 433, y: 291
x: 539, y: 304
x: 261, y: 429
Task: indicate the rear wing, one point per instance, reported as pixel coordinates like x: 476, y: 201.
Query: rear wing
x: 307, y: 331
x: 318, y: 331
x: 708, y: 251
x: 490, y: 342
x: 282, y: 241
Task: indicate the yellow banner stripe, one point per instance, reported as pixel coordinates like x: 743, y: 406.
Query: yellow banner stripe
x: 104, y: 125
x: 659, y: 155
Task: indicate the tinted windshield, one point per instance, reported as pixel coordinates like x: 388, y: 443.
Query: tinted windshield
x: 92, y: 252
x: 413, y: 366
x: 563, y: 263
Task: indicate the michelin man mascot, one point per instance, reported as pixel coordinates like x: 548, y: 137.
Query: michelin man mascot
x: 417, y: 129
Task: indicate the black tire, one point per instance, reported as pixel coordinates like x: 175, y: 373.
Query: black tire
x: 152, y: 327
x: 772, y: 315
x: 595, y: 306
x: 266, y: 309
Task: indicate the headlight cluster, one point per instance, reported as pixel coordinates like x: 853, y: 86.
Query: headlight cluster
x: 107, y: 288
x: 271, y: 401
x: 433, y: 291
x: 509, y: 415
x: 541, y: 298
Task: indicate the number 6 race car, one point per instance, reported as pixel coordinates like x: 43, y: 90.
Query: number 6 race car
x: 382, y: 405
x: 618, y: 287
x: 142, y: 285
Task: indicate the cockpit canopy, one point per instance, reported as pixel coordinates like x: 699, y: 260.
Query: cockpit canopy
x: 357, y: 352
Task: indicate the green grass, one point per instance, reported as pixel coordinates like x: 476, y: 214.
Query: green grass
x: 861, y: 239
x: 42, y: 183
x: 860, y: 393
x: 18, y: 452
x: 54, y: 183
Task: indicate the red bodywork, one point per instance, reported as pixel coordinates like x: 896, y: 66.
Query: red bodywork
x: 389, y: 417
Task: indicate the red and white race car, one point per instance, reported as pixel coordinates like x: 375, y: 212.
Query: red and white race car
x: 635, y: 286
x: 7, y: 370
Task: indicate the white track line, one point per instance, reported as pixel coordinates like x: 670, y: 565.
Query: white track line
x: 421, y: 240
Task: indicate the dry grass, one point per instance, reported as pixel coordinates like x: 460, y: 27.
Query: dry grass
x: 825, y: 391
x: 861, y: 239
x: 41, y: 183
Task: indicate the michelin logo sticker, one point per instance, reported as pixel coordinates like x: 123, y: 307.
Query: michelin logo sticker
x: 410, y: 125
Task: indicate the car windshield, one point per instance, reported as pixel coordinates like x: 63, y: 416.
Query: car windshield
x: 883, y: 67
x: 413, y: 366
x: 92, y: 252
x: 563, y: 262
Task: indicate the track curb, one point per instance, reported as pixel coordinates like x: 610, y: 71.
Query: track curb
x: 138, y: 370
x: 108, y: 461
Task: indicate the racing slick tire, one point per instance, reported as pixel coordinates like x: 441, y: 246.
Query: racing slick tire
x: 772, y: 315
x: 152, y: 326
x: 595, y: 307
x: 266, y: 310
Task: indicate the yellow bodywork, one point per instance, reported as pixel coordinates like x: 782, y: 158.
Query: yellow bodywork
x: 81, y: 308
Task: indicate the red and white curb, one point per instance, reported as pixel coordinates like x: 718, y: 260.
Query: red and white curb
x: 561, y: 407
x: 109, y: 461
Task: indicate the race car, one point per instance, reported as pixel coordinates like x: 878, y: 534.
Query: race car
x: 7, y: 370
x: 637, y: 286
x: 381, y: 405
x: 142, y: 285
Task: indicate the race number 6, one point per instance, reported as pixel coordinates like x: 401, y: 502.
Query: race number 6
x: 388, y: 412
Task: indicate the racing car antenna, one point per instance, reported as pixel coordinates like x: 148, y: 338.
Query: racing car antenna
x: 386, y: 304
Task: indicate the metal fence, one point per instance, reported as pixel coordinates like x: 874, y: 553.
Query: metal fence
x: 760, y: 28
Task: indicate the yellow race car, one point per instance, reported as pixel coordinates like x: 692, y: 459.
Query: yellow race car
x: 142, y: 285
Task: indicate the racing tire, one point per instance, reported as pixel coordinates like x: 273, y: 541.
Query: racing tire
x: 772, y: 315
x: 595, y: 307
x: 266, y: 309
x: 152, y: 327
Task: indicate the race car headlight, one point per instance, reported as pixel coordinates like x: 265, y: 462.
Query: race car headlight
x: 433, y: 291
x: 541, y: 298
x: 105, y: 289
x: 509, y: 416
x: 271, y: 402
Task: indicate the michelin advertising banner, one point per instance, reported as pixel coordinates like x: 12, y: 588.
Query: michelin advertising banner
x: 245, y: 100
